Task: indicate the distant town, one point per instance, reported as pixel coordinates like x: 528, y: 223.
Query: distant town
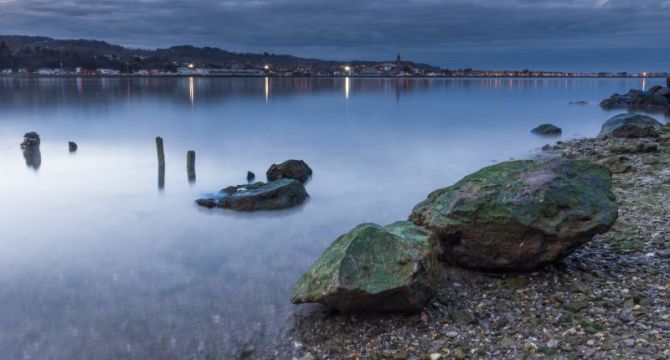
x: 31, y: 56
x: 396, y: 69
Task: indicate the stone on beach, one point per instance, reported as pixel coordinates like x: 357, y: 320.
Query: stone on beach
x: 290, y: 169
x: 519, y: 215
x: 372, y: 268
x: 274, y: 195
x: 547, y: 129
x: 630, y: 126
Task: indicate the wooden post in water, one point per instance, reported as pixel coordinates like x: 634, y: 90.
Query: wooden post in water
x: 667, y: 82
x: 190, y: 166
x: 161, y: 162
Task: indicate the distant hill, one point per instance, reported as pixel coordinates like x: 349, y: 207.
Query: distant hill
x: 35, y: 52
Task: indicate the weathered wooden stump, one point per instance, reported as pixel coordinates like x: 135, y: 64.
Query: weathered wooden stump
x: 190, y: 166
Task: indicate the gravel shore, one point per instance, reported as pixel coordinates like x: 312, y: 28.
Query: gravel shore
x: 610, y: 299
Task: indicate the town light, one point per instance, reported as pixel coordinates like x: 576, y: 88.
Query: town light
x: 191, y: 66
x: 347, y: 68
x: 644, y: 74
x: 266, y: 67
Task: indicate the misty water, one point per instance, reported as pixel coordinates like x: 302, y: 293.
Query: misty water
x: 97, y: 261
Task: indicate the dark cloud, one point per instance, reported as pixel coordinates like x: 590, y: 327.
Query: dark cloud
x: 570, y: 34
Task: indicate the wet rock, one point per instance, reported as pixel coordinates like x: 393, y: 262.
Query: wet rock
x: 519, y: 215
x: 618, y: 164
x: 547, y: 129
x: 30, y: 139
x: 72, y: 146
x: 290, y: 169
x: 630, y: 126
x: 372, y: 268
x: 656, y: 98
x: 275, y: 195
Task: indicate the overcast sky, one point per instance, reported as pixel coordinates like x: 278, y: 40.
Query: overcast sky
x: 631, y: 35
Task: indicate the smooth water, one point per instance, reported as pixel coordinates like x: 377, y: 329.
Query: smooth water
x: 98, y: 262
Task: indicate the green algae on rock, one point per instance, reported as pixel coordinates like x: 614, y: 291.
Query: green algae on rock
x: 519, y: 215
x: 547, y: 129
x: 630, y: 126
x: 372, y: 268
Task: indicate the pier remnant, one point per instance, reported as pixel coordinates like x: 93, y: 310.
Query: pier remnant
x: 190, y: 166
x: 161, y: 162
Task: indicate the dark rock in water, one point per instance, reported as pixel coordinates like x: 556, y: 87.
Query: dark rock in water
x: 72, y: 146
x: 30, y: 139
x: 654, y: 89
x: 250, y: 176
x: 657, y: 97
x: 290, y: 169
x: 372, y: 268
x: 547, y: 129
x: 275, y: 195
x: 33, y: 156
x: 519, y: 215
x: 630, y: 126
x: 580, y: 102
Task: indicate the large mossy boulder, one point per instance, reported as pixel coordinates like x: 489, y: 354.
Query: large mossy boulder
x: 275, y: 195
x: 630, y: 126
x: 519, y: 215
x: 289, y: 169
x: 372, y: 268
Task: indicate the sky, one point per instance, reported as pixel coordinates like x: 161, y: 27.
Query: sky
x: 579, y: 35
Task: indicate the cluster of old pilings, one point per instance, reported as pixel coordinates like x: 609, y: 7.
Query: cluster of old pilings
x: 190, y: 164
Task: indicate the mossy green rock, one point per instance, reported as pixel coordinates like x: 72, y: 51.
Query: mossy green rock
x: 630, y: 126
x: 372, y: 268
x: 519, y: 215
x: 547, y: 129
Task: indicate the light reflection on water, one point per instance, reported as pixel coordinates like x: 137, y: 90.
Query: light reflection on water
x: 98, y: 263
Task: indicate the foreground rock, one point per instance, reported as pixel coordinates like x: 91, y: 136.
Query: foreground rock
x: 290, y: 169
x: 275, y: 195
x: 519, y: 215
x: 30, y: 139
x: 607, y: 295
x: 547, y: 129
x: 372, y: 268
x: 630, y: 126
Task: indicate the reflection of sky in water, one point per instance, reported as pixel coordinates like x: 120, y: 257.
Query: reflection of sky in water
x: 97, y: 261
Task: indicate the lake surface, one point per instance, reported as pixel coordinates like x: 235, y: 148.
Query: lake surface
x: 99, y: 261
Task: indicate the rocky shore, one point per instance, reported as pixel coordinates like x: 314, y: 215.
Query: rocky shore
x: 608, y: 299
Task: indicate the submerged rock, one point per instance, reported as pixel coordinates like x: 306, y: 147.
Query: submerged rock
x: 372, y: 268
x: 547, y: 129
x: 72, y: 146
x: 630, y: 126
x: 275, y: 195
x: 30, y: 139
x: 290, y: 169
x: 519, y: 215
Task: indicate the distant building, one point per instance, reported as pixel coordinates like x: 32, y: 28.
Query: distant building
x: 7, y: 72
x: 108, y: 72
x: 369, y: 72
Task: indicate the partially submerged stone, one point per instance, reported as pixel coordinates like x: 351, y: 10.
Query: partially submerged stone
x: 630, y: 126
x: 372, y: 268
x: 72, y: 146
x: 547, y: 129
x: 30, y: 139
x: 275, y: 195
x: 519, y: 215
x: 290, y: 169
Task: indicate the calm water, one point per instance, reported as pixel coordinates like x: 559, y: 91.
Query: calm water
x: 98, y: 262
